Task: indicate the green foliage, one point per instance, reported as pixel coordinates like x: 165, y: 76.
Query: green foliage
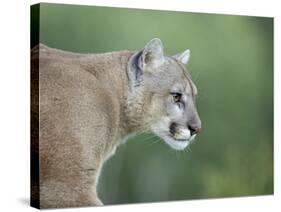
x: 232, y: 65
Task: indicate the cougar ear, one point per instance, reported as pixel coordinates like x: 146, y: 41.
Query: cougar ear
x: 152, y: 54
x: 183, y: 57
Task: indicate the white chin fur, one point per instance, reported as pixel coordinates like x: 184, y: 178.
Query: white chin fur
x: 177, y: 145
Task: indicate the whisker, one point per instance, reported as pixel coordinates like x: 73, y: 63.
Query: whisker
x: 147, y: 137
x: 154, y: 142
x: 144, y: 136
x: 154, y: 139
x: 140, y: 132
x: 187, y: 149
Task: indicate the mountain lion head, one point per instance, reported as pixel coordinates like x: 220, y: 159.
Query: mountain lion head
x: 164, y: 94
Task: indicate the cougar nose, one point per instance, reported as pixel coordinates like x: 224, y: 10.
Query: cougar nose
x: 193, y: 129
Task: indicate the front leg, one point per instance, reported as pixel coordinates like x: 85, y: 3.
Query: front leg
x: 68, y: 190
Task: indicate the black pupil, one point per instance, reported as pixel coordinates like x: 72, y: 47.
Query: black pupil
x: 177, y: 97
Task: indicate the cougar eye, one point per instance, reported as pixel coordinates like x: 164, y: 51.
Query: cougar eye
x: 176, y: 97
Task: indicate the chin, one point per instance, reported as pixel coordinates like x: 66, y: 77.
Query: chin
x: 175, y: 144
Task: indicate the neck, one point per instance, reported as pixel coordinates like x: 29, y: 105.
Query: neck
x: 134, y: 108
x: 115, y: 70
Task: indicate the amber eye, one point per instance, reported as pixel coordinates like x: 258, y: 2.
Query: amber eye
x: 176, y: 97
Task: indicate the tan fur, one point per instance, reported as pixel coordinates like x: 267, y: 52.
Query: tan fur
x: 85, y: 110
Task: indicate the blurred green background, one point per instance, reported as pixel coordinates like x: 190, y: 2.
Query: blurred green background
x: 232, y: 66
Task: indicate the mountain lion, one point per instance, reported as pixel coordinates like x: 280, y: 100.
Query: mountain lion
x: 88, y: 103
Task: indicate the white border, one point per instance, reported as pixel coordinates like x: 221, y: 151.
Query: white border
x: 238, y: 7
x: 14, y: 93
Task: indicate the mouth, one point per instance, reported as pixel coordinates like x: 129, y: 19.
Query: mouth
x: 176, y: 143
x: 179, y: 139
